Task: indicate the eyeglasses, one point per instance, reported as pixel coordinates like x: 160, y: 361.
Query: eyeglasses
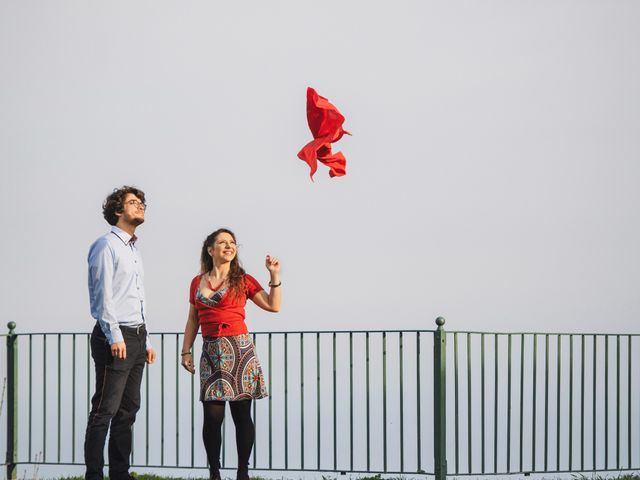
x: 137, y: 204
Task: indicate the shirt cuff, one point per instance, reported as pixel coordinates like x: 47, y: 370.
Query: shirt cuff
x: 115, y: 336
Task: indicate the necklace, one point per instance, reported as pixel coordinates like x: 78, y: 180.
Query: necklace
x: 210, y: 285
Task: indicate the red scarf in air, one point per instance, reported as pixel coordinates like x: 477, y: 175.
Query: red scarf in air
x: 325, y: 123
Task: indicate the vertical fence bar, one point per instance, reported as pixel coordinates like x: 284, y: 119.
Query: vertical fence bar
x: 440, y: 399
x: 401, y: 404
x: 456, y: 400
x: 509, y: 349
x: 270, y: 403
x: 595, y: 377
x: 418, y: 399
x: 546, y: 401
x: 286, y: 401
x: 59, y: 379
x: 73, y: 400
x: 469, y: 450
x: 535, y: 387
x: 12, y: 402
x: 255, y: 436
x: 146, y: 407
x: 301, y: 400
x: 521, y: 398
x: 582, y: 403
x: 384, y: 400
x: 44, y: 397
x: 31, y: 390
x: 570, y: 466
x: 617, y: 402
x: 88, y: 373
x: 177, y: 401
x: 318, y: 399
x: 193, y: 417
x: 629, y: 402
x: 482, y: 384
x: 162, y: 399
x: 606, y: 402
x: 351, y: 400
x: 368, y: 403
x: 335, y: 413
x: 495, y: 405
x: 558, y: 385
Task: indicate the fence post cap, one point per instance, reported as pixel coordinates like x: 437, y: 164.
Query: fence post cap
x: 11, y: 326
x: 440, y: 321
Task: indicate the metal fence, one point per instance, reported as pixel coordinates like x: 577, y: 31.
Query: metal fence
x: 392, y: 402
x: 542, y: 403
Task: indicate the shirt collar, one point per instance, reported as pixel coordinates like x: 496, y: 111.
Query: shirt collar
x: 124, y: 236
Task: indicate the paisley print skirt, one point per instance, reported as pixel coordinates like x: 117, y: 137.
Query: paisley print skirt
x: 230, y: 369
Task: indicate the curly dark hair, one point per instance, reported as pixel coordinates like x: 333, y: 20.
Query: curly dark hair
x: 114, y: 202
x: 236, y: 272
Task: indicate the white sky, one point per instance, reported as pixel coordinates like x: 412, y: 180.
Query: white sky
x: 492, y: 176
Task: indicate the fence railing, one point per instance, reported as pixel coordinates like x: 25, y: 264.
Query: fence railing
x: 543, y: 403
x: 391, y: 402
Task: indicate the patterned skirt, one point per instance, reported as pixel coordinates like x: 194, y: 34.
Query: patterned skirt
x: 230, y: 369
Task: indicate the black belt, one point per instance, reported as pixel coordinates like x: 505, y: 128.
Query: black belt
x: 137, y: 329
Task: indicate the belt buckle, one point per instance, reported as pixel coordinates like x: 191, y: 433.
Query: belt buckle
x: 138, y: 328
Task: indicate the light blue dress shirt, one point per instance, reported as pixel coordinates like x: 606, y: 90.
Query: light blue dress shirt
x: 116, y: 288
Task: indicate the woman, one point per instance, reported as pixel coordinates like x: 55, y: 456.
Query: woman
x: 229, y: 368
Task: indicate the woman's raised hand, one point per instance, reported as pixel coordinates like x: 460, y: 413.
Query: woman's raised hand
x: 272, y: 264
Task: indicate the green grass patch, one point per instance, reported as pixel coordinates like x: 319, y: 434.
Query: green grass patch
x: 145, y: 476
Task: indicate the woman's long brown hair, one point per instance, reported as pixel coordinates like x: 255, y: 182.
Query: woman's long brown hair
x: 236, y: 272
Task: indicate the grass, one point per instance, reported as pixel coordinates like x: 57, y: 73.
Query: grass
x: 626, y: 476
x: 158, y: 477
x: 144, y: 476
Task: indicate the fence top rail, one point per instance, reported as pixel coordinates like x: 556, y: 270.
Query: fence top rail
x: 555, y: 334
x: 379, y: 331
x: 281, y: 332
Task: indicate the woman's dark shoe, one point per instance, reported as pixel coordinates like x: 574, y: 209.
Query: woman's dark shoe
x: 243, y: 473
x: 214, y: 474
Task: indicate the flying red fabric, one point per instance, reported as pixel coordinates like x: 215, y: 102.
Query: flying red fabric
x: 325, y: 123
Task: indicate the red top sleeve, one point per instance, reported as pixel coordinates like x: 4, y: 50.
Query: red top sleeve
x: 193, y: 288
x: 251, y: 286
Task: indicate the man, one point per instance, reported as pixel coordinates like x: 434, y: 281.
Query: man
x: 120, y: 341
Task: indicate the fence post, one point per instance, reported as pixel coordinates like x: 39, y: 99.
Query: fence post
x: 12, y: 401
x: 440, y: 400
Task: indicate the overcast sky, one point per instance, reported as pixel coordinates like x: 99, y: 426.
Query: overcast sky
x: 492, y: 176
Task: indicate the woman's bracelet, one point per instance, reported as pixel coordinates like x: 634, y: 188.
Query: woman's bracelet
x: 182, y: 354
x: 275, y: 286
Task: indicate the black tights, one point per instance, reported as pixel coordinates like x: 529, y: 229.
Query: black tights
x: 212, y: 431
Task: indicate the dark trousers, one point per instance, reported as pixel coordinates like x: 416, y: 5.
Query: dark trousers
x: 115, y: 403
